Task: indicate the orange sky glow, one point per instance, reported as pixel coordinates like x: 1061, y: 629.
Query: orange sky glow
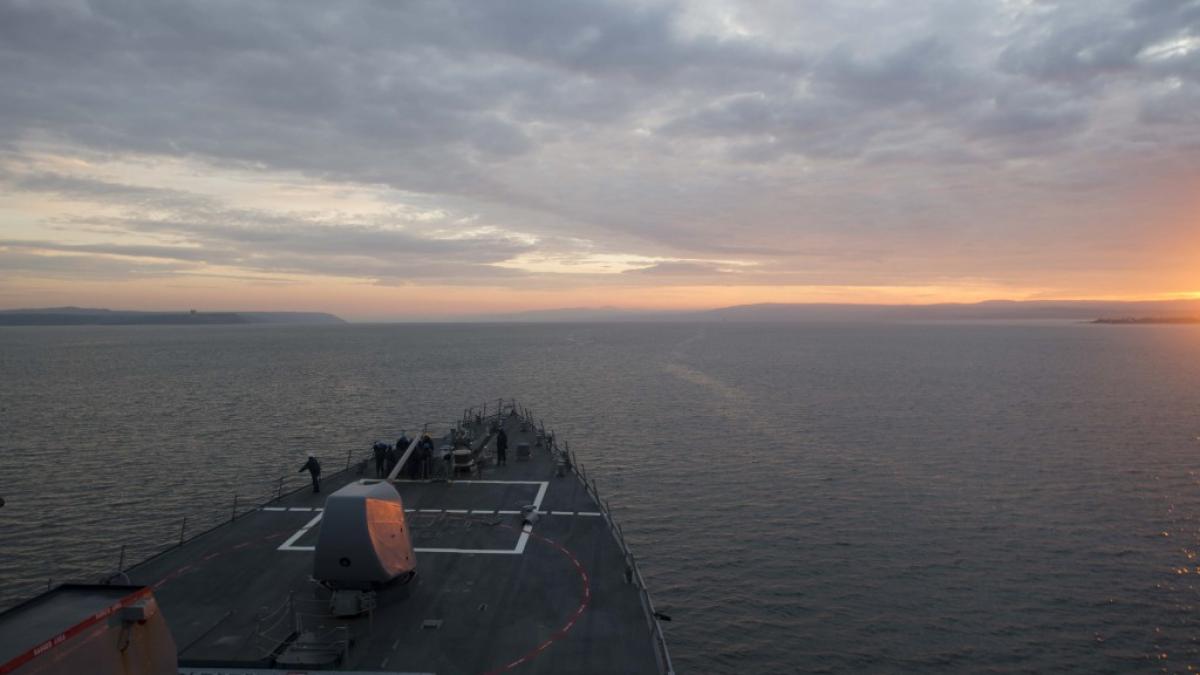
x: 748, y: 153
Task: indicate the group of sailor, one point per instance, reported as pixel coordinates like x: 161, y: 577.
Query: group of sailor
x: 387, y: 456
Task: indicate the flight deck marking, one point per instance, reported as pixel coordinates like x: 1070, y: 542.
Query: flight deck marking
x: 575, y: 616
x: 519, y: 549
x: 288, y: 545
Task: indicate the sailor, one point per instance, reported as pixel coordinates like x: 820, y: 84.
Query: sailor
x: 501, y: 448
x: 313, y: 467
x: 424, y: 459
x: 392, y: 457
x: 412, y: 468
x: 380, y: 450
x: 402, y: 444
x: 425, y: 449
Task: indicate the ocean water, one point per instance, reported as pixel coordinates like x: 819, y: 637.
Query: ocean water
x: 803, y: 498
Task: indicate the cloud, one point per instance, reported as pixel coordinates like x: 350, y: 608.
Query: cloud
x: 790, y: 135
x: 681, y: 268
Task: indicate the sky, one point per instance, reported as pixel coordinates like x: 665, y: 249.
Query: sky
x: 383, y: 160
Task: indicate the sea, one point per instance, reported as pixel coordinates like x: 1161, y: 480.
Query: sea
x: 803, y: 498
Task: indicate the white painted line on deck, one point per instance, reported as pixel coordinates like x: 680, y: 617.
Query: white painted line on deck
x: 457, y: 511
x: 483, y: 482
x: 508, y: 513
x: 288, y: 545
x: 537, y: 501
x: 523, y: 539
x: 274, y: 508
x: 483, y: 512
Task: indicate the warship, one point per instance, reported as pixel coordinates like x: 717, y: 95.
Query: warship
x: 453, y: 562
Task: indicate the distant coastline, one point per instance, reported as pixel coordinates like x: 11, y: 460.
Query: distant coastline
x: 83, y: 316
x: 1133, y: 321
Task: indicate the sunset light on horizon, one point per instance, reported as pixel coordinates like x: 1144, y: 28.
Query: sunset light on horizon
x: 444, y: 159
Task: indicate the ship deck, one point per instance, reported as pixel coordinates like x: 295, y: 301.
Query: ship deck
x: 490, y: 595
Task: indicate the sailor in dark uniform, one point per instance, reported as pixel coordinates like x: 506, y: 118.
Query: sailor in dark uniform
x: 380, y: 450
x: 313, y: 467
x: 501, y: 448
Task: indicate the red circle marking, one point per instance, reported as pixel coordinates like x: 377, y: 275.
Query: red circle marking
x: 559, y: 634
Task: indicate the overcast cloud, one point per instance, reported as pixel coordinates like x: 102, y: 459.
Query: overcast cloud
x: 1031, y: 145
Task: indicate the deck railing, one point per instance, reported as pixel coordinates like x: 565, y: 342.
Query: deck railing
x: 241, y: 503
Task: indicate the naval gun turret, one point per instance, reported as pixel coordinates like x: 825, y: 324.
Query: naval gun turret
x: 364, y: 543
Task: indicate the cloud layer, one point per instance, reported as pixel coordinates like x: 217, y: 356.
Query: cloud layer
x: 1025, y: 144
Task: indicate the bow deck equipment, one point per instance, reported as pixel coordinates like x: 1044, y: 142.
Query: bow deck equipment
x: 518, y: 568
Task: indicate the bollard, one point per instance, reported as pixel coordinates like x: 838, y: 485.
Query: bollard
x: 279, y: 490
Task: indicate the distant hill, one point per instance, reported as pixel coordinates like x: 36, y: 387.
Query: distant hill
x: 1082, y: 310
x: 83, y: 316
x: 1172, y: 311
x: 565, y: 315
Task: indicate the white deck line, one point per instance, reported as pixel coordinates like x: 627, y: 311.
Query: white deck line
x: 288, y: 545
x: 519, y: 549
x: 537, y: 501
x: 523, y: 540
x: 481, y: 482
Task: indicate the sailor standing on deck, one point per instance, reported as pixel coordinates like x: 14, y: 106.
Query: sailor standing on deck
x: 402, y: 444
x: 392, y: 457
x: 313, y: 467
x: 501, y: 448
x: 380, y: 450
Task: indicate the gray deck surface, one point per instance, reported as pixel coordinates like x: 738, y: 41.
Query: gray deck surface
x: 557, y: 602
x: 44, y: 617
